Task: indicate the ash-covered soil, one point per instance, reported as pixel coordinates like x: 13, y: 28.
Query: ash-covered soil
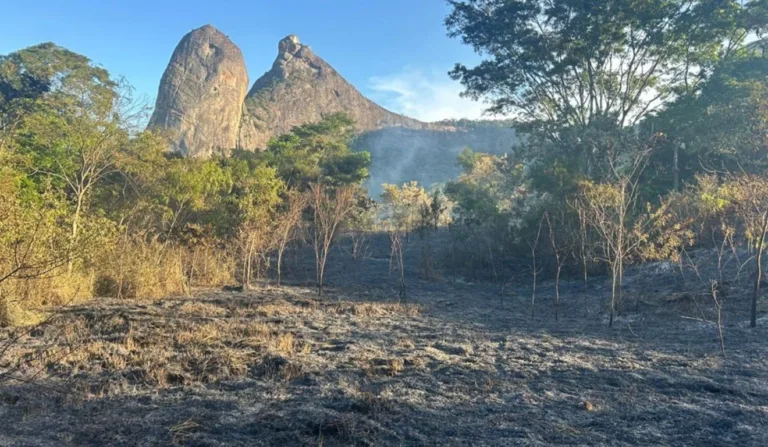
x: 459, y: 364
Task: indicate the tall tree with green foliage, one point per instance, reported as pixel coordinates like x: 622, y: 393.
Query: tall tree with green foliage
x: 47, y: 78
x: 319, y: 153
x: 575, y: 74
x: 566, y: 62
x: 254, y: 198
x: 719, y: 127
x: 66, y: 122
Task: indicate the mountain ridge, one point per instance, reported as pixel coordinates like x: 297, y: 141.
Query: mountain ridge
x: 206, y: 107
x: 301, y: 87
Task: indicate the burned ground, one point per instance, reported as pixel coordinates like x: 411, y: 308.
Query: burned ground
x: 459, y: 363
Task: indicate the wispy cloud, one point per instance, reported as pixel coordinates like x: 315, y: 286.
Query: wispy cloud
x: 424, y: 95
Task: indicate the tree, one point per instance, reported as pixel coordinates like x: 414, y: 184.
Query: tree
x: 401, y: 208
x: 434, y: 213
x: 490, y: 201
x: 252, y: 202
x: 534, y: 268
x: 43, y: 78
x: 360, y: 224
x: 318, y: 153
x: 403, y: 205
x: 556, y: 222
x: 190, y: 185
x: 31, y: 244
x: 396, y: 240
x: 747, y: 196
x: 718, y: 127
x: 71, y: 129
x: 287, y: 224
x: 563, y: 62
x: 486, y: 187
x: 330, y: 208
x: 610, y: 209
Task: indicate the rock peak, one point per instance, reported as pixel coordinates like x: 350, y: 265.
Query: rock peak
x: 199, y: 101
x: 289, y: 44
x: 302, y: 88
x: 206, y: 29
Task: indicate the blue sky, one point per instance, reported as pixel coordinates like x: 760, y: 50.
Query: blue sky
x: 394, y: 51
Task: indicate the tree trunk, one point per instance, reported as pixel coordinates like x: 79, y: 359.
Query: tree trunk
x: 279, y: 264
x: 75, y: 230
x: 614, y: 274
x: 402, y: 275
x: 320, y: 275
x: 5, y: 317
x: 247, y: 267
x: 557, y: 289
x: 620, y: 299
x: 676, y: 170
x: 758, y: 271
x: 533, y: 294
x: 321, y: 269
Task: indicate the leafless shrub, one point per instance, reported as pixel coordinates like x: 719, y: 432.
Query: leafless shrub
x: 330, y: 208
x: 287, y: 226
x: 396, y: 240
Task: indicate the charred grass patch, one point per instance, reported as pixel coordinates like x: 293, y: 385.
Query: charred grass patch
x: 278, y: 365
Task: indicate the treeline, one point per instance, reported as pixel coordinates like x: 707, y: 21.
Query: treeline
x: 92, y: 205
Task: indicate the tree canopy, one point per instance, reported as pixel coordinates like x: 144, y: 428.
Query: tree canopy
x: 565, y: 62
x: 319, y: 153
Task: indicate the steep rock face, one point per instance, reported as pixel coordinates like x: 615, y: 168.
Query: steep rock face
x: 200, y: 99
x: 299, y: 89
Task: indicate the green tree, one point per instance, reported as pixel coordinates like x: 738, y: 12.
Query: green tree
x: 68, y: 126
x: 47, y: 77
x: 402, y: 205
x: 319, y: 153
x: 254, y: 198
x: 486, y: 189
x: 577, y: 75
x: 32, y: 245
x: 566, y: 62
x: 719, y: 127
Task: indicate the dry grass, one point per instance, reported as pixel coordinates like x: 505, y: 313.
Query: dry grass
x: 198, y: 309
x: 180, y: 433
x: 396, y: 366
x: 201, y: 345
x: 14, y: 315
x: 142, y: 270
x: 26, y: 302
x: 210, y: 266
x: 380, y: 309
x: 281, y: 308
